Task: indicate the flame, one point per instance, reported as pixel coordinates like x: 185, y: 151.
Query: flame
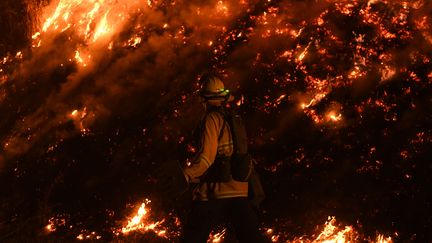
x: 88, y: 236
x: 330, y: 232
x: 139, y: 222
x: 382, y: 239
x: 102, y: 29
x: 81, y: 119
x: 55, y: 223
x: 333, y: 116
x: 217, y: 237
x: 95, y: 22
x: 387, y: 73
x: 50, y: 226
x: 79, y: 59
x: 303, y: 54
x: 134, y: 41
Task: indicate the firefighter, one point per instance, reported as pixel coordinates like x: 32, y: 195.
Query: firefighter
x: 217, y: 197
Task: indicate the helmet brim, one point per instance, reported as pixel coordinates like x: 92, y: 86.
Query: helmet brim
x: 219, y: 95
x: 226, y: 98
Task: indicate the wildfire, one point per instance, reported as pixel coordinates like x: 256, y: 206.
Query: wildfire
x: 55, y: 223
x: 50, y: 226
x: 94, y: 22
x: 333, y: 116
x: 222, y: 8
x: 89, y: 236
x: 217, y: 237
x: 330, y: 232
x: 102, y: 29
x: 79, y: 59
x: 139, y: 222
x: 311, y: 53
x: 382, y: 239
x: 81, y: 118
x: 303, y: 53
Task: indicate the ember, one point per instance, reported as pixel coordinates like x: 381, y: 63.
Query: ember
x: 94, y: 95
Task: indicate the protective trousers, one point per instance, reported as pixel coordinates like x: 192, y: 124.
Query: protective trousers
x: 205, y: 215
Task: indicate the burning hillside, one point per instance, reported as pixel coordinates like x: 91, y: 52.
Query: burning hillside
x: 95, y: 94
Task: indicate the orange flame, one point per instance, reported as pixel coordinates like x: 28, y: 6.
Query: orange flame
x: 139, y: 222
x: 331, y: 233
x: 216, y: 237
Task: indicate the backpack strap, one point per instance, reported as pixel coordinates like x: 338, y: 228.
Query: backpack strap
x: 202, y: 124
x: 223, y: 126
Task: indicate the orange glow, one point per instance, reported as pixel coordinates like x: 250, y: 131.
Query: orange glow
x: 19, y: 55
x: 88, y: 236
x: 80, y: 237
x: 35, y: 35
x: 382, y: 239
x: 97, y: 23
x: 356, y: 73
x: 332, y: 116
x: 216, y: 237
x: 102, y: 29
x: 134, y: 41
x: 79, y: 59
x: 54, y: 223
x: 50, y: 227
x: 92, y: 20
x: 222, y: 8
x: 387, y: 73
x: 74, y: 113
x: 331, y: 234
x: 139, y: 222
x: 303, y: 54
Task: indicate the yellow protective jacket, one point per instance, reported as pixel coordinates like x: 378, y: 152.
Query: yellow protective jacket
x: 211, y: 147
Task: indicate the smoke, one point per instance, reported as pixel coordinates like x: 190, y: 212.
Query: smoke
x: 106, y: 57
x: 75, y: 70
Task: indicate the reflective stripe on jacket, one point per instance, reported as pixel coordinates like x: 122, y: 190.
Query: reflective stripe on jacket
x: 210, y: 147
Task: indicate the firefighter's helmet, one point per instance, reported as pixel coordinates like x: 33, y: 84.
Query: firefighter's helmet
x: 213, y: 88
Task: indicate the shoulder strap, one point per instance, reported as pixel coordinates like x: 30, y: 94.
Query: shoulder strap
x: 222, y: 128
x: 223, y: 114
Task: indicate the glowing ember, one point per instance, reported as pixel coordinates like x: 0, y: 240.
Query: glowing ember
x: 75, y: 114
x: 55, y: 223
x: 88, y: 236
x: 80, y: 237
x: 50, y: 227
